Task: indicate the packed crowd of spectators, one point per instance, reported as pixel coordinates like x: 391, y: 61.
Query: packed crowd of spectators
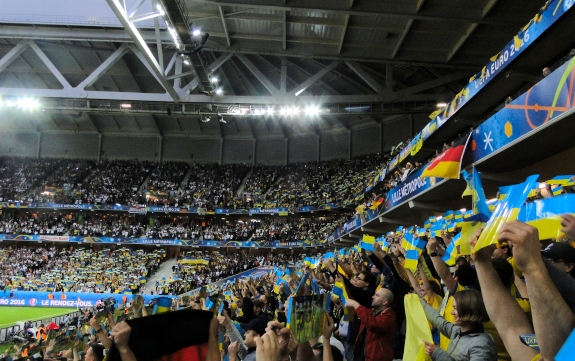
x: 187, y: 277
x: 54, y: 224
x: 212, y: 185
x: 72, y: 269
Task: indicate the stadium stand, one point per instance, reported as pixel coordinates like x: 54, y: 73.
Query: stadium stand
x: 409, y: 252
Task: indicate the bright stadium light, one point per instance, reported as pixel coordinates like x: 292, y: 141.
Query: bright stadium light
x: 441, y: 104
x: 27, y: 103
x: 214, y: 80
x: 196, y: 32
x: 126, y: 106
x: 312, y: 111
x: 219, y: 91
x: 270, y: 111
x: 283, y: 111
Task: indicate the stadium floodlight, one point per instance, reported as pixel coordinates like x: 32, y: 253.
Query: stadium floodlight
x: 27, y: 103
x: 284, y: 111
x: 186, y: 62
x: 270, y: 111
x: 214, y: 80
x: 219, y: 91
x: 294, y: 111
x: 441, y: 104
x: 196, y: 32
x: 312, y: 111
x: 126, y: 106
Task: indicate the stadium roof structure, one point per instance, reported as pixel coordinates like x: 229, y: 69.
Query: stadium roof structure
x: 150, y: 67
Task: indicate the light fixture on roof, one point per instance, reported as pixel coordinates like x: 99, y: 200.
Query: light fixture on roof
x: 126, y: 106
x: 312, y: 111
x: 186, y: 62
x: 196, y: 32
x: 214, y: 80
x: 219, y: 91
x: 441, y: 104
x: 270, y: 111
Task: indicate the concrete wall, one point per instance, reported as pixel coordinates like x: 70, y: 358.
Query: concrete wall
x: 19, y: 144
x: 130, y: 147
x: 365, y: 140
x: 396, y: 131
x: 303, y: 149
x: 334, y: 146
x: 238, y: 151
x: 185, y: 149
x: 69, y: 146
x: 271, y: 151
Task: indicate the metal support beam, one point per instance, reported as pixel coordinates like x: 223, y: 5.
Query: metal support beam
x: 50, y: 65
x: 104, y: 67
x: 343, y: 31
x: 158, y: 72
x: 178, y: 71
x: 224, y: 25
x: 389, y: 77
x: 171, y: 63
x: 369, y: 9
x: 284, y: 31
x: 159, y: 47
x: 13, y: 54
x: 389, y: 220
x: 428, y: 206
x: 306, y: 84
x: 258, y: 74
x: 431, y: 84
x: 373, y: 84
x: 470, y: 29
x: 283, y: 77
x: 211, y: 68
x: 372, y: 230
x: 406, y: 30
x: 201, y: 98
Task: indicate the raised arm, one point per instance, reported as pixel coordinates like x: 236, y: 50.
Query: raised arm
x: 553, y: 321
x: 513, y: 322
x: 441, y: 267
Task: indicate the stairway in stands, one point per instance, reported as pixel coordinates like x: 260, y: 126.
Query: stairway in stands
x: 243, y: 183
x: 165, y: 270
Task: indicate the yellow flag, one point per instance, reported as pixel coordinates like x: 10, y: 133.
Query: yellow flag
x: 417, y: 330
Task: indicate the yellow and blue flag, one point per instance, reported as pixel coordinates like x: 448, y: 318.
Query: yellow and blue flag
x: 506, y: 210
x: 545, y: 214
x: 163, y: 304
x: 450, y: 256
x: 411, y: 259
x: 481, y: 211
x: 367, y: 243
x: 340, y: 291
x: 563, y: 180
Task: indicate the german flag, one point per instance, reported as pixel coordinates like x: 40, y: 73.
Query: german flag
x: 448, y: 163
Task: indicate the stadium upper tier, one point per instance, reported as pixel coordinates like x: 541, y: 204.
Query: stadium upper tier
x: 131, y: 182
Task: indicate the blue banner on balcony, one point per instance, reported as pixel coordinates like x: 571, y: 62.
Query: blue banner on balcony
x: 412, y: 186
x: 541, y: 104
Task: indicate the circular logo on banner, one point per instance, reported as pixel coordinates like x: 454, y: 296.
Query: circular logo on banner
x: 33, y: 302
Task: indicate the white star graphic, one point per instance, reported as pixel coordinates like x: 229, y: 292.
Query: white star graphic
x: 488, y: 140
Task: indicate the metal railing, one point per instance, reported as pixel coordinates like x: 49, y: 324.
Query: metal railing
x: 4, y: 332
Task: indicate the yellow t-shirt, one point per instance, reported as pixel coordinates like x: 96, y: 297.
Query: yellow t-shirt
x: 445, y: 311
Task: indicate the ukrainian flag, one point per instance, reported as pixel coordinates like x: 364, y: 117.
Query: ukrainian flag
x: 367, y: 243
x: 308, y: 261
x: 507, y: 210
x: 340, y: 291
x: 411, y: 258
x: 162, y: 305
x: 545, y: 214
x: 450, y: 255
x: 563, y: 180
x: 481, y: 211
